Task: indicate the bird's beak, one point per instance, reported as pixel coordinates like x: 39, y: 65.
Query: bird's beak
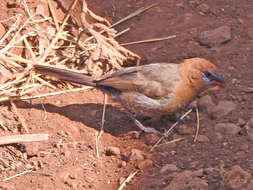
x: 219, y: 81
x: 220, y: 84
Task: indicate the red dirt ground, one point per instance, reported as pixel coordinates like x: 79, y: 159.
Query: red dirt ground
x: 219, y: 160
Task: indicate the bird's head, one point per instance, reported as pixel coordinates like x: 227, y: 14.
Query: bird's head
x: 212, y: 78
x: 202, y: 73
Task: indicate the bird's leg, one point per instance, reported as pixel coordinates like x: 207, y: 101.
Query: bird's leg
x: 178, y: 118
x: 141, y: 126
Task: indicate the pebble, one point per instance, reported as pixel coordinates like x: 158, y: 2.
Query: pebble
x: 215, y: 37
x: 145, y: 164
x: 237, y: 178
x: 202, y: 138
x: 122, y: 164
x: 112, y: 151
x: 32, y: 149
x: 187, y: 180
x: 149, y: 138
x: 185, y: 130
x: 136, y: 155
x: 227, y: 128
x: 168, y: 168
x: 206, y: 104
x: 204, y: 8
x: 222, y: 109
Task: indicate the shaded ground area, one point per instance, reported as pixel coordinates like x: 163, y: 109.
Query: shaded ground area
x: 220, y: 159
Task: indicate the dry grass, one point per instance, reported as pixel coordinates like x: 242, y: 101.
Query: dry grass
x: 95, y: 54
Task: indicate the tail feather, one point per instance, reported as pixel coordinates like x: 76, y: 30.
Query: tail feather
x: 66, y: 75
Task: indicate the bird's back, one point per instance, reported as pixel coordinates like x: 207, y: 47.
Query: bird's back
x: 145, y: 90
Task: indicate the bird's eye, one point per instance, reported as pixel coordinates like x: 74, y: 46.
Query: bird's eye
x: 207, y: 74
x: 205, y: 78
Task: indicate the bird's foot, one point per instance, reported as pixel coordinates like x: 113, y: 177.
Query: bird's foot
x: 178, y: 118
x: 146, y: 129
x: 142, y: 127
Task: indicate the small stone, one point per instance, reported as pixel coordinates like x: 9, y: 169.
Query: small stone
x: 32, y: 149
x: 150, y: 138
x: 241, y: 122
x: 135, y: 134
x: 28, y: 166
x: 227, y: 128
x: 222, y: 109
x: 73, y: 175
x: 122, y: 164
x: 202, y: 138
x: 67, y: 153
x: 198, y: 173
x: 250, y: 185
x: 194, y: 164
x: 219, y: 136
x: 244, y: 147
x: 136, y: 155
x: 35, y: 165
x: 168, y: 168
x: 112, y: 151
x: 215, y: 37
x: 237, y: 178
x: 40, y: 164
x: 249, y: 128
x: 204, y: 8
x: 184, y: 130
x: 7, y: 186
x: 43, y: 154
x: 206, y: 104
x: 193, y: 104
x: 64, y: 176
x: 145, y: 164
x: 186, y: 180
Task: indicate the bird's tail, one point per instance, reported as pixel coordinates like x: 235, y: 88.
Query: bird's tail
x: 64, y: 74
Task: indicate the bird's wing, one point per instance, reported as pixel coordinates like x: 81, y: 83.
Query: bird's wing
x: 154, y: 80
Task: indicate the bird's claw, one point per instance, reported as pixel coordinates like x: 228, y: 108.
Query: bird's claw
x: 146, y: 129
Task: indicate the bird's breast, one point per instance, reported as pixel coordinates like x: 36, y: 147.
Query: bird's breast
x: 143, y: 105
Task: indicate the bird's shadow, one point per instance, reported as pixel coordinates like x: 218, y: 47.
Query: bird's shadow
x: 117, y: 121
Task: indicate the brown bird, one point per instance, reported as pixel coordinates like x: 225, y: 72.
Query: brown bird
x: 150, y: 90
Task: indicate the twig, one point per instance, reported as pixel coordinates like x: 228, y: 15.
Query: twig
x: 17, y: 175
x: 102, y: 125
x: 131, y: 175
x: 149, y: 40
x: 41, y: 173
x: 174, y: 140
x: 4, y: 99
x: 2, y: 125
x: 53, y: 15
x: 19, y: 117
x: 23, y: 138
x: 137, y: 12
x: 122, y: 32
x: 170, y: 129
x: 197, y: 131
x: 5, y: 164
x: 58, y: 34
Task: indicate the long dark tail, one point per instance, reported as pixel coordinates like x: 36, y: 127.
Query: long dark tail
x: 65, y: 75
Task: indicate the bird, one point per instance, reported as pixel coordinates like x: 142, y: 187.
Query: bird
x: 152, y: 90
